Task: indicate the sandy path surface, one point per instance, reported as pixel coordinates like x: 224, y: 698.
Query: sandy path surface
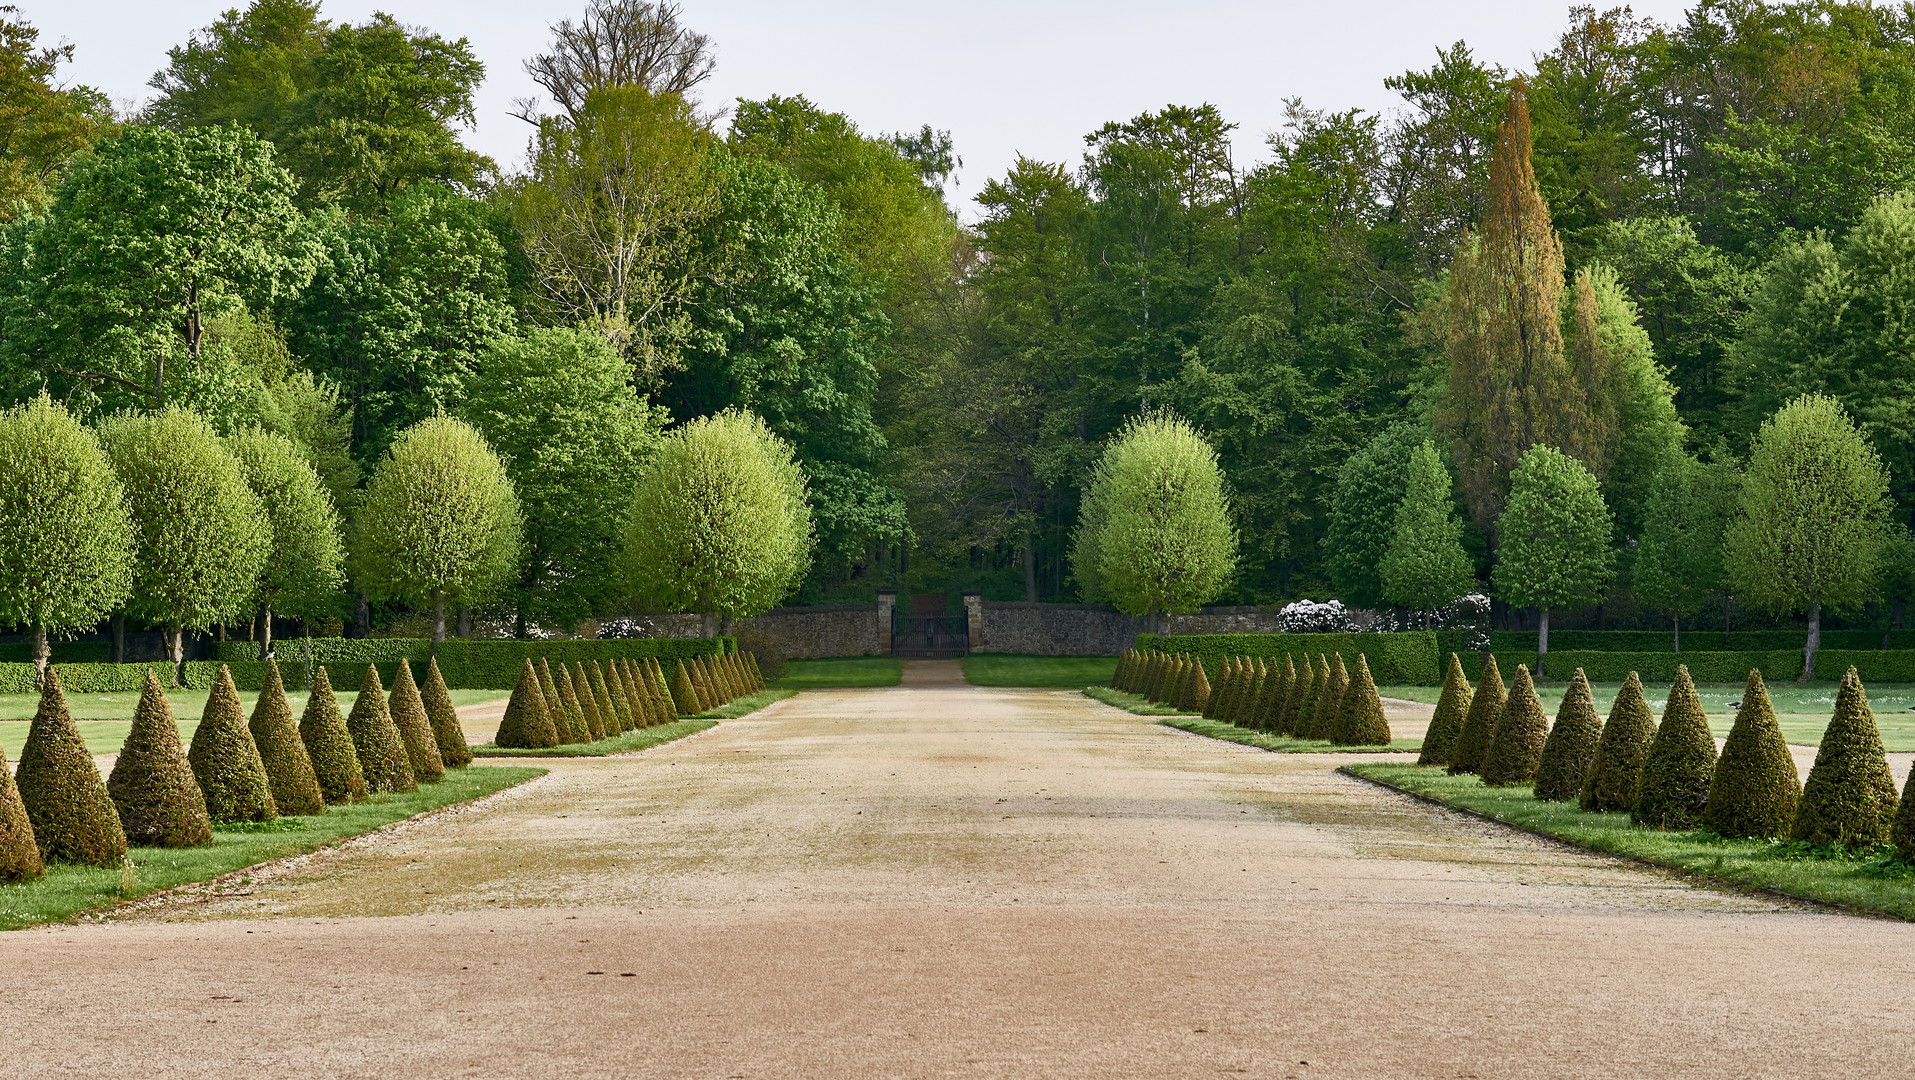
x: 946, y: 881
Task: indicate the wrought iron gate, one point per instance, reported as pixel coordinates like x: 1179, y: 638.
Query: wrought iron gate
x: 929, y: 636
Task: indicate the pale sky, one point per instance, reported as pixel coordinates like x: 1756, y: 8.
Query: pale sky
x: 1004, y: 76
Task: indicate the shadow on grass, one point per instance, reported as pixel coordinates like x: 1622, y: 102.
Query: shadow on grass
x: 636, y: 739
x: 1262, y: 740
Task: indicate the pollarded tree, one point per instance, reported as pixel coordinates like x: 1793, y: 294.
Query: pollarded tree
x: 1424, y: 566
x: 1679, y: 554
x: 1555, y: 550
x: 1813, y: 518
x: 719, y: 525
x: 303, y: 570
x: 66, y: 542
x: 439, y: 522
x: 202, y: 536
x: 1154, y: 536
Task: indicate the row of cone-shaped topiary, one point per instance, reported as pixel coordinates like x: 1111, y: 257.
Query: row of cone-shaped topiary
x: 1315, y: 700
x: 584, y: 703
x: 1668, y: 775
x: 161, y: 794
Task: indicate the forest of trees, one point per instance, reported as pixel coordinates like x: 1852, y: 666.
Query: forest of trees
x: 1711, y: 214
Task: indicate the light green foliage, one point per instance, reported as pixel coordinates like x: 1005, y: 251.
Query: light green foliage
x: 66, y: 542
x: 1813, y: 517
x: 304, y: 565
x: 439, y: 522
x: 1424, y: 567
x: 1676, y: 772
x: 1447, y: 721
x: 1154, y: 536
x: 1850, y: 794
x: 245, y: 68
x: 308, y: 411
x: 556, y: 407
x: 202, y: 535
x: 1679, y: 553
x: 1755, y: 788
x: 1604, y: 335
x: 1571, y: 747
x: 718, y: 524
x: 47, y: 122
x: 226, y: 761
x: 1371, y: 487
x: 1555, y: 537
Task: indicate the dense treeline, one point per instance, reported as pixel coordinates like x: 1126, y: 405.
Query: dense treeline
x: 1706, y: 216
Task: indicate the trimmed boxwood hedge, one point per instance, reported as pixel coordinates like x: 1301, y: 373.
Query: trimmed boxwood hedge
x: 62, y: 652
x: 468, y: 664
x: 1653, y: 667
x: 1701, y: 641
x: 1405, y: 659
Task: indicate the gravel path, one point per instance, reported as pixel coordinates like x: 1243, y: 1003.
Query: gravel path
x: 938, y: 880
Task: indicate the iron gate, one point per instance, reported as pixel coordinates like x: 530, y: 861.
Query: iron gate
x: 930, y: 636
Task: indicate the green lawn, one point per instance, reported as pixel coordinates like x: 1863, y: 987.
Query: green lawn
x: 1801, y: 708
x: 68, y: 890
x: 1874, y: 880
x: 746, y: 705
x: 1132, y: 703
x: 1004, y: 669
x: 850, y: 671
x: 1263, y: 740
x: 636, y: 739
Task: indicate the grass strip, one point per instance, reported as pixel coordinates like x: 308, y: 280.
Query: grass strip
x: 1132, y: 703
x: 750, y: 703
x: 68, y: 890
x: 636, y: 739
x: 1009, y: 669
x: 854, y: 671
x: 1262, y: 740
x: 1866, y: 881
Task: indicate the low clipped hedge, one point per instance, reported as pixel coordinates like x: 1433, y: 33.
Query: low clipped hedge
x: 1402, y: 659
x: 1776, y: 665
x: 1873, y: 665
x: 1648, y: 641
x: 131, y: 678
x: 62, y: 652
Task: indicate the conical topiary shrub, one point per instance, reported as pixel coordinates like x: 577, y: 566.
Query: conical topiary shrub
x: 19, y: 854
x: 1299, y: 680
x: 1682, y: 757
x: 1901, y: 833
x: 602, y: 697
x: 1360, y: 720
x: 1755, y: 788
x: 1280, y: 701
x: 73, y: 817
x: 661, y: 692
x: 684, y: 697
x: 644, y: 710
x: 152, y: 786
x: 1158, y: 670
x: 702, y: 684
x: 446, y: 729
x: 1452, y: 705
x: 1318, y: 680
x: 587, y: 703
x: 1120, y: 679
x: 289, y: 769
x: 1255, y: 677
x: 1516, y: 745
x: 576, y: 730
x: 1624, y: 746
x: 527, y: 724
x: 1572, y: 744
x: 1485, y: 708
x: 757, y: 673
x: 1198, y: 697
x: 382, y: 756
x: 555, y: 709
x: 226, y: 761
x: 1850, y: 795
x: 615, y: 692
x: 415, y: 731
x: 1174, y: 687
x: 1330, y: 699
x: 1221, y: 691
x: 1264, y: 715
x: 329, y: 744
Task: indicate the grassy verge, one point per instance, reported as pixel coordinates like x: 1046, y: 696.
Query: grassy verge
x: 1263, y: 740
x: 1006, y: 669
x: 69, y: 890
x: 750, y: 703
x: 850, y: 671
x: 1132, y: 703
x: 188, y: 704
x: 1869, y: 881
x: 636, y: 739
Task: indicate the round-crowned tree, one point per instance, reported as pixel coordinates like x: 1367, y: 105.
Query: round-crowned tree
x: 66, y: 542
x: 1154, y: 534
x: 201, y: 534
x: 439, y: 523
x: 303, y: 569
x: 1555, y: 538
x: 718, y: 524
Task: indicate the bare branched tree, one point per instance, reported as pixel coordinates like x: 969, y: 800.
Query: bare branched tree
x: 620, y: 43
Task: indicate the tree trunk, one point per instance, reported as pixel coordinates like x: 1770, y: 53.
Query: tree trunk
x: 708, y: 625
x: 118, y: 627
x: 1542, y: 639
x: 176, y: 650
x: 362, y: 618
x: 1814, y: 642
x: 1030, y: 570
x: 266, y: 634
x: 465, y: 622
x: 518, y: 622
x: 40, y: 655
x: 438, y: 619
x: 1678, y: 624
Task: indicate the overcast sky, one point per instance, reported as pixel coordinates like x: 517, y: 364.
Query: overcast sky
x: 1004, y: 76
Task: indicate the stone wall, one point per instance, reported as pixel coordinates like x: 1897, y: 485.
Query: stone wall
x: 1049, y: 629
x: 801, y: 633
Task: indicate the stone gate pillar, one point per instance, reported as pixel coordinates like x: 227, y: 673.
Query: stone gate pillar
x: 974, y: 622
x: 887, y: 603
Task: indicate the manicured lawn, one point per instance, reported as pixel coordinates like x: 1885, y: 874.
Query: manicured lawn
x: 68, y: 890
x: 1874, y: 880
x: 1132, y: 703
x: 1801, y: 708
x: 1004, y: 669
x: 850, y: 671
x: 1263, y: 740
x: 636, y: 739
x: 748, y: 704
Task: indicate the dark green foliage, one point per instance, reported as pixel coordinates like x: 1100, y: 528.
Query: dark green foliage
x: 19, y: 855
x: 1695, y: 641
x: 1360, y: 720
x: 1779, y: 665
x: 1485, y: 707
x: 1218, y: 699
x: 382, y: 756
x: 1681, y: 760
x: 1330, y: 698
x: 1901, y: 833
x: 1620, y: 753
x: 1447, y: 722
x: 415, y: 730
x: 453, y: 749
x: 635, y: 693
x: 1516, y: 743
x: 1850, y: 795
x: 1253, y: 688
x: 153, y: 787
x: 1197, y: 696
x: 1318, y: 680
x: 587, y: 703
x: 621, y: 713
x: 329, y: 744
x: 1755, y: 789
x: 1273, y: 718
x: 568, y: 705
x: 226, y: 760
x: 465, y: 663
x: 1408, y: 658
x: 555, y: 710
x: 289, y: 769
x: 1299, y: 682
x: 528, y: 722
x: 1571, y: 748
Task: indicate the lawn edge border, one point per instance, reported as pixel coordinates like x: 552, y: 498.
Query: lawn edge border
x: 1639, y: 860
x: 1167, y: 720
x: 491, y: 752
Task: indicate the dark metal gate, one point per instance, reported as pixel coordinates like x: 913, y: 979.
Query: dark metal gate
x: 930, y: 636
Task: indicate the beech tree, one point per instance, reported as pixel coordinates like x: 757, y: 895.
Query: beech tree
x: 1555, y: 550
